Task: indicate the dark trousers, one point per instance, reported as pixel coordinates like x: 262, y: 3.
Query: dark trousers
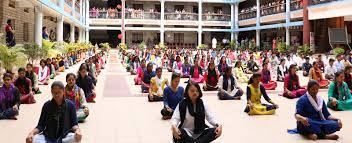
x: 164, y: 112
x: 155, y: 98
x: 207, y: 136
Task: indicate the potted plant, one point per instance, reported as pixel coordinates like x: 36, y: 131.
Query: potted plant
x: 34, y: 52
x: 304, y: 50
x: 123, y: 46
x: 12, y: 57
x: 162, y: 46
x: 283, y: 48
x: 142, y: 45
x: 338, y: 51
x: 233, y: 45
x: 202, y: 47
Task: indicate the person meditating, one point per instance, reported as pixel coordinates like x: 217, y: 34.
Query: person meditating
x: 9, y: 98
x: 252, y: 66
x: 147, y: 76
x: 266, y: 78
x: 186, y: 68
x: 33, y: 77
x: 43, y: 73
x: 316, y: 74
x: 228, y: 87
x: 340, y: 97
x: 281, y: 70
x: 188, y: 121
x: 330, y: 70
x: 239, y: 73
x: 222, y: 65
x: 86, y: 83
x: 24, y: 85
x: 211, y: 77
x: 176, y: 65
x: 306, y: 67
x: 157, y: 86
x: 76, y: 95
x: 292, y: 88
x: 140, y: 71
x: 173, y: 94
x: 196, y: 73
x: 313, y: 118
x: 348, y: 77
x: 254, y: 93
x: 58, y: 121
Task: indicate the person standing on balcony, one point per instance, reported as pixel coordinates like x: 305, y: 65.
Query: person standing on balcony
x: 10, y: 34
x: 45, y: 34
x: 214, y: 42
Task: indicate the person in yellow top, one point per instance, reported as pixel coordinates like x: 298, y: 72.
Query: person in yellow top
x: 254, y: 93
x: 239, y: 74
x: 157, y: 86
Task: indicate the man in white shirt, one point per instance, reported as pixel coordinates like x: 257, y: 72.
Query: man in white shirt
x: 330, y: 70
x: 339, y: 63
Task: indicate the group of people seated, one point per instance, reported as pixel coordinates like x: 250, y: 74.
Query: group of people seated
x: 213, y: 70
x: 69, y: 103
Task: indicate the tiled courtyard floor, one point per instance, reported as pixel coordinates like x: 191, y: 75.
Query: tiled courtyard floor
x: 123, y: 115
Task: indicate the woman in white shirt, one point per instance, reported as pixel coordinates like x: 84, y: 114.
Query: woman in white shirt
x: 281, y: 70
x: 228, y: 87
x: 188, y: 120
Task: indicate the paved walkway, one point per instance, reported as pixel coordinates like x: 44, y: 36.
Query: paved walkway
x: 123, y: 115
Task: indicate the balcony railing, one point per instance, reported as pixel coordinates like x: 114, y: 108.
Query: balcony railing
x: 274, y: 9
x: 315, y: 2
x: 296, y: 5
x: 247, y: 15
x: 104, y: 15
x: 55, y: 2
x: 69, y: 2
x: 143, y: 15
x: 181, y: 16
x: 216, y: 17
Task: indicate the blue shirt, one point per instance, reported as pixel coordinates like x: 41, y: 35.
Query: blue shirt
x: 171, y: 98
x: 305, y: 109
x: 147, y: 76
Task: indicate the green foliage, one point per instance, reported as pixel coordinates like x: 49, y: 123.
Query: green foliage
x: 142, y: 45
x: 338, y: 51
x: 266, y: 46
x: 218, y: 47
x: 107, y: 45
x: 233, y: 45
x: 252, y: 46
x: 11, y: 57
x: 34, y: 52
x: 283, y: 48
x: 2, y: 38
x: 61, y: 47
x: 202, y: 46
x: 304, y: 50
x: 162, y: 46
x: 122, y: 46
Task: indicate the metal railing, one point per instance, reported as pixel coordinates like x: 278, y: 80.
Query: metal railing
x: 247, y: 15
x: 143, y: 15
x: 69, y: 2
x: 77, y: 7
x: 104, y: 15
x: 216, y: 17
x: 181, y: 16
x: 315, y: 2
x: 55, y: 2
x: 274, y: 9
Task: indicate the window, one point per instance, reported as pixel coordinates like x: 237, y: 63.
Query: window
x: 179, y: 38
x: 12, y: 3
x: 25, y: 32
x: 137, y: 37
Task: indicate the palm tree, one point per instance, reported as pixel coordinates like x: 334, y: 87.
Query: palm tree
x: 11, y: 57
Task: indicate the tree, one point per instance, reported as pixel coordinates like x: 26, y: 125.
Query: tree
x: 11, y: 57
x: 34, y: 52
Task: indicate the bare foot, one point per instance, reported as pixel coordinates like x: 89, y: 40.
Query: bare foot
x: 332, y: 137
x: 312, y: 137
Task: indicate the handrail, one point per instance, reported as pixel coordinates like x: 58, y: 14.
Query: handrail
x: 105, y: 15
x: 181, y: 16
x: 216, y: 17
x: 316, y: 2
x: 143, y: 15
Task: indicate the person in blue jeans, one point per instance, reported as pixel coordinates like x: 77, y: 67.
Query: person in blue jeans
x: 58, y: 120
x: 313, y: 117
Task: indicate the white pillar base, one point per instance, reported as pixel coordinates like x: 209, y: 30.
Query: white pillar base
x: 72, y: 33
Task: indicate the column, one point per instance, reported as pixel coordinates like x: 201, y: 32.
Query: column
x: 162, y: 18
x: 87, y: 12
x: 38, y: 25
x: 80, y: 10
x: 200, y: 13
x: 232, y: 21
x: 257, y: 32
x: 257, y: 37
x: 236, y: 21
x: 123, y: 40
x: 306, y: 23
x: 72, y: 33
x: 87, y: 35
x: 60, y: 29
x: 79, y: 35
x: 288, y: 19
x: 73, y: 7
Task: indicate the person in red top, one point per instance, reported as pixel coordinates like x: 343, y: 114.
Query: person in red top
x: 10, y: 36
x: 268, y: 84
x: 292, y: 88
x: 211, y: 78
x: 24, y: 85
x: 320, y: 63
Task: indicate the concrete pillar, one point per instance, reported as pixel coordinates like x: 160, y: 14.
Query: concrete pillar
x: 72, y: 33
x: 306, y: 23
x: 87, y: 12
x: 200, y: 13
x: 79, y: 35
x: 232, y: 22
x: 288, y: 20
x: 60, y: 29
x: 258, y: 14
x: 123, y: 40
x: 73, y: 7
x: 87, y: 35
x: 162, y: 18
x: 257, y: 37
x: 81, y: 10
x: 38, y: 25
x: 236, y: 21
